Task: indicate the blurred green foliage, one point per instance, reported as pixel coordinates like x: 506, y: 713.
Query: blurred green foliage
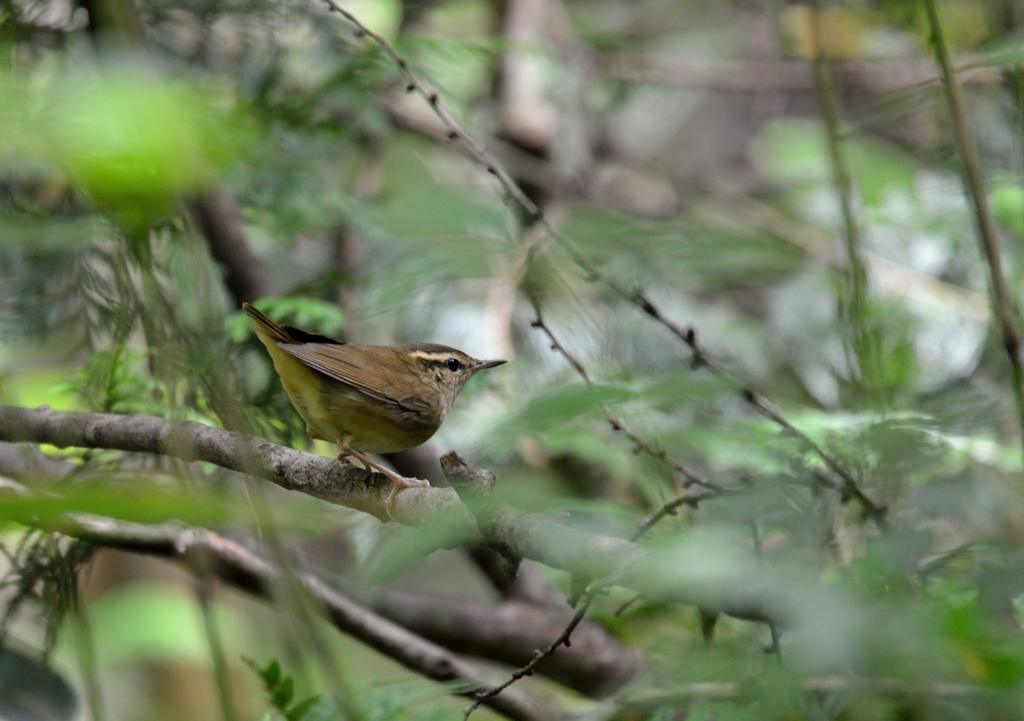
x: 112, y: 300
x: 156, y: 621
x: 375, y: 702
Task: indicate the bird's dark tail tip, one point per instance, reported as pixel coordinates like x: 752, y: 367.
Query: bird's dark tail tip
x: 265, y: 325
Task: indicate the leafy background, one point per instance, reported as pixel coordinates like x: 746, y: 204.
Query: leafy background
x: 686, y: 158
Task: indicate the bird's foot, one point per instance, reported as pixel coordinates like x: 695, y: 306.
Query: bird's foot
x: 399, y: 481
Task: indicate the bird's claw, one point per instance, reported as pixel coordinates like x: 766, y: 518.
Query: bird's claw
x: 400, y: 483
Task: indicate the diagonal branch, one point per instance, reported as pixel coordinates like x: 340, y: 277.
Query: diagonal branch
x: 247, y: 571
x: 217, y: 217
x: 557, y: 346
x: 483, y: 697
x: 640, y: 444
x: 508, y: 633
x: 455, y: 131
x: 988, y: 236
x: 690, y: 478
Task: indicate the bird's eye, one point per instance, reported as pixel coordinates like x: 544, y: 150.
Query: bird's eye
x: 453, y: 365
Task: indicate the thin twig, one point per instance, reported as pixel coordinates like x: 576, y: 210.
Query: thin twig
x: 640, y: 445
x: 700, y: 357
x: 456, y: 133
x: 221, y: 673
x: 627, y: 605
x: 539, y: 323
x: 687, y: 498
x: 855, y: 304
x: 539, y: 655
x: 669, y: 509
x: 690, y: 477
x: 775, y: 648
x: 675, y: 697
x: 988, y: 236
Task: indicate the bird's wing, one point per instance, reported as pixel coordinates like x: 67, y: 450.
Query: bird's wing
x: 360, y: 367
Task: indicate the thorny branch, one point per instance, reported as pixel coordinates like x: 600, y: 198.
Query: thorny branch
x: 669, y: 509
x: 700, y: 356
x: 565, y: 638
x: 690, y: 478
x: 455, y: 131
x: 640, y: 445
x: 539, y: 323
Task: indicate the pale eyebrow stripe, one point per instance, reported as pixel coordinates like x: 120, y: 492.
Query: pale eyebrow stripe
x: 437, y: 357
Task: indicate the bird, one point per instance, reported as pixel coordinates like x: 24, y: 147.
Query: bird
x: 367, y: 398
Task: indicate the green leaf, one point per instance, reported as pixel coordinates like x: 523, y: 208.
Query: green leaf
x: 283, y: 693
x: 560, y: 404
x: 795, y: 152
x: 714, y: 250
x: 1006, y: 52
x: 1008, y: 206
x: 128, y: 501
x: 322, y: 703
x: 272, y: 674
x: 684, y: 388
x: 135, y: 143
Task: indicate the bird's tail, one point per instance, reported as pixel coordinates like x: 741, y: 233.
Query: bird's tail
x: 266, y: 326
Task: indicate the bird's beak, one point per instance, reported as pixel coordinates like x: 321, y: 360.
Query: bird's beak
x: 483, y: 365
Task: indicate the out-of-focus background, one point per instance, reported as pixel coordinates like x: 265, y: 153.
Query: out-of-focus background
x: 783, y: 178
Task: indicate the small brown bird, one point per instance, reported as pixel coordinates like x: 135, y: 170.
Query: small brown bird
x: 366, y: 398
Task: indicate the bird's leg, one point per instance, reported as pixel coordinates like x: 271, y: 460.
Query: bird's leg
x: 397, y: 479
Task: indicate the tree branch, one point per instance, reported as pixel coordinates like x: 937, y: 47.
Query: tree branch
x: 509, y: 632
x: 244, y: 569
x: 640, y: 444
x: 218, y: 220
x: 528, y: 584
x: 481, y: 698
x: 506, y: 632
x: 293, y: 470
x: 512, y: 532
